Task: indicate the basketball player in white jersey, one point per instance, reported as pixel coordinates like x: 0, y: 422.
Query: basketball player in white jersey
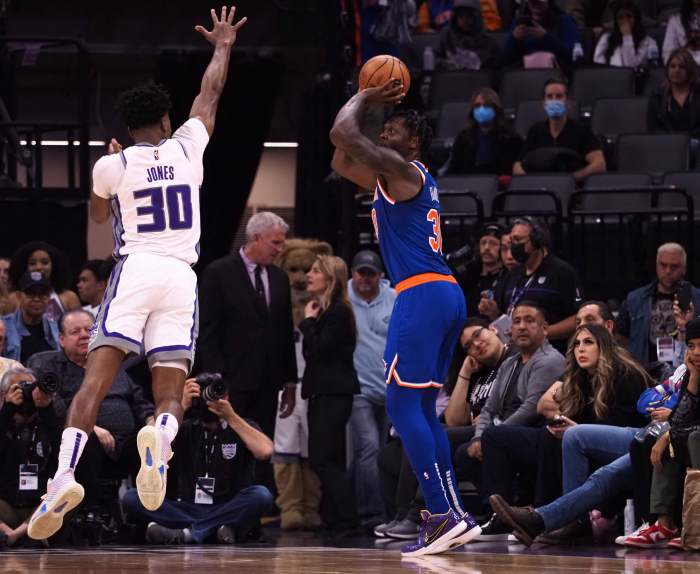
x: 151, y: 189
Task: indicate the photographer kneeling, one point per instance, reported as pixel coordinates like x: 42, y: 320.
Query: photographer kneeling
x: 29, y: 438
x: 210, y: 486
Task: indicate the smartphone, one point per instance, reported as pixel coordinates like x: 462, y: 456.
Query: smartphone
x: 556, y: 422
x: 683, y: 294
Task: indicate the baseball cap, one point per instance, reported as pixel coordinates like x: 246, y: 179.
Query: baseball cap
x: 34, y: 281
x: 495, y: 229
x: 367, y: 259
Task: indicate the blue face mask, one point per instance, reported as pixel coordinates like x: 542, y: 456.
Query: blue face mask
x: 484, y: 114
x: 555, y: 109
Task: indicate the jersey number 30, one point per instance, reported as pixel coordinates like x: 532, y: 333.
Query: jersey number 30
x: 435, y: 241
x: 177, y: 201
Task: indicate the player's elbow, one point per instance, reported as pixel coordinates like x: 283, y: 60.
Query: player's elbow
x: 98, y: 215
x: 339, y: 136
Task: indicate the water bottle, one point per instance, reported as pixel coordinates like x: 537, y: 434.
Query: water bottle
x: 577, y: 53
x: 428, y: 59
x: 652, y: 54
x: 629, y: 517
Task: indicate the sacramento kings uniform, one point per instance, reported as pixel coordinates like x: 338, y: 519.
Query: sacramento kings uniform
x: 151, y: 298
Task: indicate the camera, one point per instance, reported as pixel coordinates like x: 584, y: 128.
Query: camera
x: 211, y: 388
x: 46, y: 382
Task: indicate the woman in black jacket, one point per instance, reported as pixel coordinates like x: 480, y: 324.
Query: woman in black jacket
x: 329, y: 382
x: 486, y: 144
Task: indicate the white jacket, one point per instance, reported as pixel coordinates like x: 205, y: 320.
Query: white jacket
x: 625, y: 54
x: 676, y: 38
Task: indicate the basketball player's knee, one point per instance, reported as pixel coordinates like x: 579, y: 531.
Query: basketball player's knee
x: 180, y: 364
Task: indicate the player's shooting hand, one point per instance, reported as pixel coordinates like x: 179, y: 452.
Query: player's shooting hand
x: 389, y: 93
x: 114, y: 146
x: 223, y: 31
x: 190, y: 391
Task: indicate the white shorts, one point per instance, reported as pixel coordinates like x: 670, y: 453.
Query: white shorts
x: 150, y: 305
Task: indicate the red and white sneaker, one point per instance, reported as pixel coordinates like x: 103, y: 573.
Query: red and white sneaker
x: 655, y: 536
x: 676, y: 543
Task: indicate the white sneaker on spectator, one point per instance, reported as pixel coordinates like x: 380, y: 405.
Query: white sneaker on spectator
x: 621, y: 539
x: 152, y: 479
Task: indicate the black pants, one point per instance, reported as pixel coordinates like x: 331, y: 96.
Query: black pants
x: 328, y: 416
x: 640, y: 456
x: 398, y: 481
x: 260, y: 406
x: 533, y: 454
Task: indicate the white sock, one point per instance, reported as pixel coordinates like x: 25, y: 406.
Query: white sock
x: 72, y: 444
x: 168, y: 424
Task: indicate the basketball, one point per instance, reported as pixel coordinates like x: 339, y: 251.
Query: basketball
x: 380, y: 69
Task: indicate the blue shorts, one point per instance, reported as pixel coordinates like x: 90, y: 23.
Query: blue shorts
x: 425, y: 325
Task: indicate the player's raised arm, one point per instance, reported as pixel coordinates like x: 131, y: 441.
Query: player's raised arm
x: 222, y: 36
x: 359, y: 159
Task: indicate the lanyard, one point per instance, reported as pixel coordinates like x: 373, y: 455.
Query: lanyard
x: 517, y: 294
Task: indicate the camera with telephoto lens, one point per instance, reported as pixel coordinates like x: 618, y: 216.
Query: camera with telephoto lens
x: 46, y: 382
x: 211, y: 388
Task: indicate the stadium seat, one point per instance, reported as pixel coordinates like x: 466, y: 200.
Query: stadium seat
x: 520, y: 85
x: 484, y: 186
x: 689, y: 181
x: 453, y: 119
x: 611, y: 183
x: 615, y: 116
x: 654, y: 78
x: 560, y: 184
x: 653, y: 153
x: 591, y: 84
x: 457, y: 86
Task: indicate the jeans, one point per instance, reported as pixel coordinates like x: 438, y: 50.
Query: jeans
x: 607, y: 481
x: 241, y: 512
x: 584, y: 444
x: 369, y: 429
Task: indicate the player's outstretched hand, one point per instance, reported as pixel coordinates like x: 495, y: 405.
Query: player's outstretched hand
x: 389, y: 93
x: 223, y: 30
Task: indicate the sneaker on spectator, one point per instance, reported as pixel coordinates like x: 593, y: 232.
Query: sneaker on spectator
x: 676, y: 543
x: 441, y: 532
x: 380, y: 529
x: 495, y: 530
x: 405, y: 530
x: 654, y: 536
x: 225, y: 535
x: 621, y: 539
x: 158, y: 534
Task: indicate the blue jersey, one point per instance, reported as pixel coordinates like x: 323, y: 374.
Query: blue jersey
x: 409, y: 233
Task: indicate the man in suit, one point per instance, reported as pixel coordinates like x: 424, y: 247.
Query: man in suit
x: 246, y: 329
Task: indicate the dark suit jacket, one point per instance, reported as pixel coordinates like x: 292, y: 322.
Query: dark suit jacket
x: 329, y: 344
x: 251, y: 346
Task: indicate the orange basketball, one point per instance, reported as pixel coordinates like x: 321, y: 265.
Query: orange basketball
x: 379, y: 70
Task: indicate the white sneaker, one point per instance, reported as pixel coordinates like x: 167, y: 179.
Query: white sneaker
x: 621, y: 539
x: 62, y: 496
x: 152, y: 479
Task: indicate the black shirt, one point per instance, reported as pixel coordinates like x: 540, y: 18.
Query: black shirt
x: 665, y: 114
x: 473, y: 283
x: 220, y: 454
x: 554, y: 286
x: 575, y: 136
x: 482, y: 382
x: 476, y: 152
x: 34, y: 343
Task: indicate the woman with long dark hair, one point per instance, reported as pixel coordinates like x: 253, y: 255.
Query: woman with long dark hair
x: 329, y: 382
x: 683, y: 31
x: 53, y: 264
x: 486, y: 144
x: 675, y: 104
x: 628, y: 44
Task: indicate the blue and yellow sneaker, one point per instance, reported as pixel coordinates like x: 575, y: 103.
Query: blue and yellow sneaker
x: 63, y: 494
x: 442, y: 532
x: 152, y: 479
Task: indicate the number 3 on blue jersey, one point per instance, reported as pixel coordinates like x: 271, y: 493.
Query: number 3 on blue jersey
x: 178, y: 204
x: 435, y: 241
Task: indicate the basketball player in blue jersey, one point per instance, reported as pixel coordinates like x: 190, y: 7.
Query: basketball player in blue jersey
x: 151, y: 190
x: 429, y: 311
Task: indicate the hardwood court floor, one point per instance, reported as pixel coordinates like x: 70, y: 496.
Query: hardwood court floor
x: 358, y: 557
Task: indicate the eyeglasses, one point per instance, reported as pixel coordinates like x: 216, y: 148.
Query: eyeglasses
x: 475, y: 337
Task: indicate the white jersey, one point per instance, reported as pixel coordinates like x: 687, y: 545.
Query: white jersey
x: 155, y: 194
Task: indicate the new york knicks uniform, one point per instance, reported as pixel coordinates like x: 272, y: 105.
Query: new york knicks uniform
x: 430, y: 310
x: 151, y: 298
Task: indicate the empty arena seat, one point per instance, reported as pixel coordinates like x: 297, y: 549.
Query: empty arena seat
x: 484, y: 186
x: 457, y: 86
x: 453, y: 119
x: 591, y: 84
x: 614, y: 116
x: 520, y: 85
x: 562, y: 185
x: 653, y: 153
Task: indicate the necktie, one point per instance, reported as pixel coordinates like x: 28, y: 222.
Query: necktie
x: 259, y: 287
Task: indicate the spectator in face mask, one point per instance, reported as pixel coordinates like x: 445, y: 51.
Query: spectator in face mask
x: 486, y: 144
x: 560, y: 143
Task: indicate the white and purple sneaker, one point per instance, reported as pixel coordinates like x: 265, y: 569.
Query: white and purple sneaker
x: 442, y: 532
x: 152, y: 479
x: 63, y: 494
